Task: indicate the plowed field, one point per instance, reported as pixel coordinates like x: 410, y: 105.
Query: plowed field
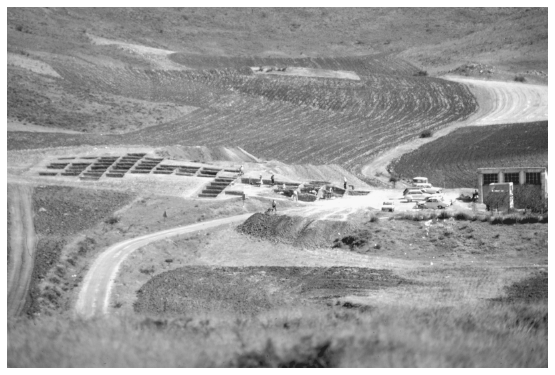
x: 498, y: 103
x: 454, y: 159
x: 291, y: 119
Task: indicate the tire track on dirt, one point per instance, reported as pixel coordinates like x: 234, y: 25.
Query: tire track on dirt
x: 23, y: 246
x: 94, y: 296
x: 499, y: 103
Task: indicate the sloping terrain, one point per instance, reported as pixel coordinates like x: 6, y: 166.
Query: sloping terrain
x: 317, y: 284
x: 498, y: 103
x: 454, y: 159
x: 516, y: 37
x: 22, y: 243
x: 295, y: 120
x: 60, y: 213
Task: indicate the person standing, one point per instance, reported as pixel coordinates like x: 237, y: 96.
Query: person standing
x: 274, y: 206
x: 344, y: 182
x: 244, y: 197
x: 261, y: 182
x: 272, y: 178
x: 241, y: 170
x: 295, y: 195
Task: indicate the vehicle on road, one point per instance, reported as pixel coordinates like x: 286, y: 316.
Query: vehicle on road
x: 388, y: 206
x: 414, y: 194
x: 434, y: 202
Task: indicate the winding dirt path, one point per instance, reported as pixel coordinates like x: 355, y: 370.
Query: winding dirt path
x: 22, y: 244
x: 499, y: 103
x: 94, y: 296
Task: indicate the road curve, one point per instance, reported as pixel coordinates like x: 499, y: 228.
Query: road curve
x: 94, y: 296
x: 499, y: 103
x: 22, y: 244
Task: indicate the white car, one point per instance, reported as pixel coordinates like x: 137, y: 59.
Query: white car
x: 388, y: 206
x: 415, y: 194
x: 434, y: 202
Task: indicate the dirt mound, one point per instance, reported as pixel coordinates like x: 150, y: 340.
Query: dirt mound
x: 295, y: 230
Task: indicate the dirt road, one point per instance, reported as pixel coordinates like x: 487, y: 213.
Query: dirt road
x: 22, y: 244
x: 94, y: 297
x: 499, y: 103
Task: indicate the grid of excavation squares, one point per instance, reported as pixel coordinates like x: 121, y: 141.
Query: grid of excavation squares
x: 208, y: 172
x: 187, y: 170
x: 216, y: 187
x: 98, y: 168
x: 55, y: 168
x: 146, y: 165
x: 123, y: 165
x: 75, y: 168
x: 167, y: 168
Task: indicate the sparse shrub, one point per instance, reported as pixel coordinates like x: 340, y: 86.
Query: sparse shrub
x: 147, y: 271
x: 85, y: 246
x: 496, y: 220
x: 112, y: 220
x: 520, y: 78
x: 445, y: 215
x: 529, y: 219
x: 421, y: 73
x: 426, y: 133
x: 394, y: 178
x: 306, y: 354
x: 464, y: 216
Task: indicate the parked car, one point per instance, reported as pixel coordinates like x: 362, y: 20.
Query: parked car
x: 433, y: 202
x: 421, y: 182
x: 388, y: 206
x: 433, y: 190
x: 414, y: 194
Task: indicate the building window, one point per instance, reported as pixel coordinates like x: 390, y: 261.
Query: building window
x: 490, y: 178
x: 512, y: 177
x: 533, y: 178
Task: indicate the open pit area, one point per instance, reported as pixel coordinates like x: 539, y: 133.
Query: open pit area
x: 205, y: 187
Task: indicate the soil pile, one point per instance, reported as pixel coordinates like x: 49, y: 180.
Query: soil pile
x: 295, y: 230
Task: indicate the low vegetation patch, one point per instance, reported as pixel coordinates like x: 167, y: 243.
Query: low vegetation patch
x: 251, y: 290
x: 62, y: 212
x: 487, y: 334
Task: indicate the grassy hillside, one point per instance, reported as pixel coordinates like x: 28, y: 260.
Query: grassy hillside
x: 510, y: 331
x: 456, y: 156
x: 181, y: 76
x: 514, y: 37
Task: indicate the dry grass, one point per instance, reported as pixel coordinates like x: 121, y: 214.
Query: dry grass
x: 479, y: 335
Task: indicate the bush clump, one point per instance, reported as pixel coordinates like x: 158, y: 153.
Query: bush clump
x: 421, y: 73
x: 520, y: 79
x: 426, y: 133
x: 112, y: 220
